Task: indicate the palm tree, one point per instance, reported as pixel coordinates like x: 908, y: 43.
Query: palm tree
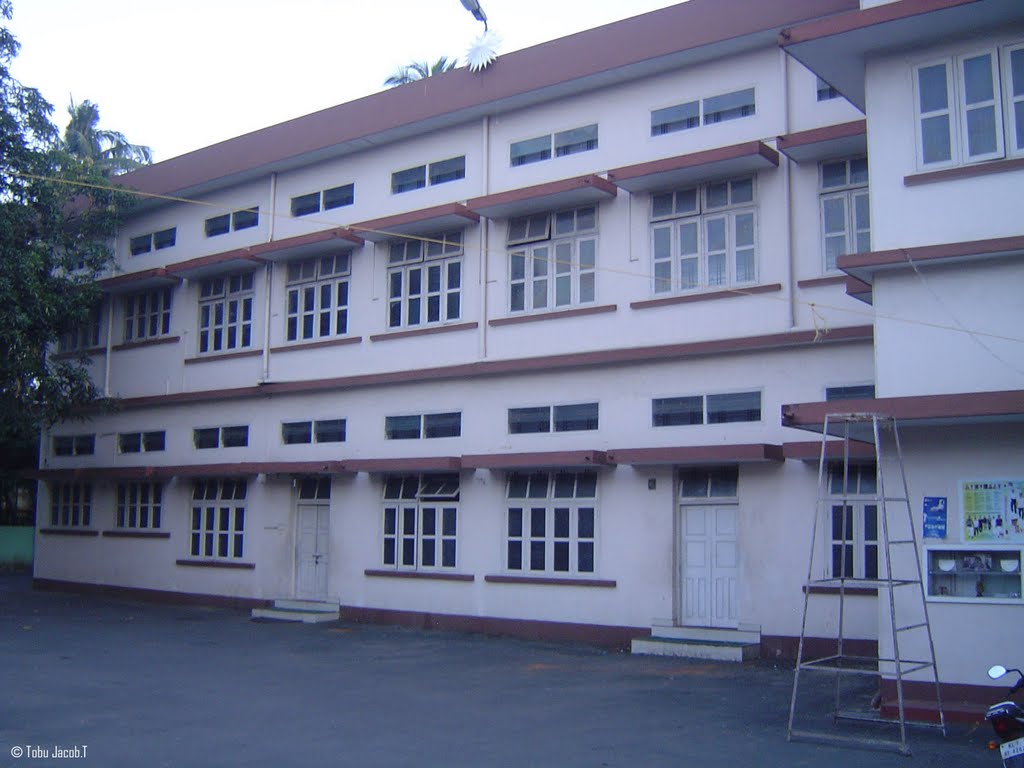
x: 418, y: 70
x: 108, y: 149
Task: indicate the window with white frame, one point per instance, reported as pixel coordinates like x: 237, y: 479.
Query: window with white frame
x: 725, y: 408
x: 552, y: 260
x: 139, y: 505
x: 438, y: 172
x: 154, y: 241
x: 147, y: 314
x: 825, y: 92
x: 577, y: 417
x: 225, y: 312
x: 232, y: 222
x: 709, y: 482
x: 218, y: 519
x: 141, y: 442
x: 704, y: 237
x: 845, y: 214
x: 317, y: 297
x: 325, y: 200
x: 425, y: 280
x: 970, y: 108
x: 85, y: 335
x: 552, y: 522
x: 319, y: 431
x: 70, y: 505
x: 220, y: 437
x: 428, y: 425
x: 420, y: 530
x: 560, y: 144
x: 74, y: 445
x: 853, y: 522
x: 706, y: 111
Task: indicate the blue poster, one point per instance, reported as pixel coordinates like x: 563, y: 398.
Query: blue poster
x: 935, y: 517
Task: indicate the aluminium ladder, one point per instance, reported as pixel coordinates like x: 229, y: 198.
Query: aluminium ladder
x: 896, y: 578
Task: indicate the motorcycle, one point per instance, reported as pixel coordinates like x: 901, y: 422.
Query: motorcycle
x: 1007, y: 719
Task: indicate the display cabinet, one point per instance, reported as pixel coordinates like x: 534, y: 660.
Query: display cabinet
x: 973, y: 574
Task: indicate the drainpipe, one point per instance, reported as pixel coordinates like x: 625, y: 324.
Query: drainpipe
x: 787, y: 180
x: 485, y: 230
x: 269, y: 274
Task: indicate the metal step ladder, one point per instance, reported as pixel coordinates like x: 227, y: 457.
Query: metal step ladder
x: 889, y: 564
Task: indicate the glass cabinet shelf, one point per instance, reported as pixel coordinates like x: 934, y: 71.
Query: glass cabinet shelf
x: 973, y: 574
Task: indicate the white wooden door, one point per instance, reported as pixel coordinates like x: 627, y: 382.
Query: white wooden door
x: 311, y: 544
x: 709, y: 566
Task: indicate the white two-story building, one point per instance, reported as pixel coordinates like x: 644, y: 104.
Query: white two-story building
x: 535, y: 350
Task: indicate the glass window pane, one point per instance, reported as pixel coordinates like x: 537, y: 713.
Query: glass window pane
x: 585, y: 557
x: 981, y: 131
x: 585, y: 523
x: 571, y: 418
x: 530, y: 150
x: 729, y: 106
x: 575, y: 140
x: 977, y: 72
x: 336, y: 197
x: 932, y: 92
x: 586, y: 485
x: 677, y: 118
x: 676, y: 411
x: 833, y: 174
x: 529, y: 420
x: 739, y: 406
x: 402, y: 427
x: 442, y: 424
x: 723, y: 481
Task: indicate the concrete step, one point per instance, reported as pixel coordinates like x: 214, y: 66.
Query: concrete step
x: 306, y: 611
x: 716, y: 650
x: 699, y: 634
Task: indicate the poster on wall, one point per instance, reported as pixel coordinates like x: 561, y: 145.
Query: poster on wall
x: 993, y: 510
x: 935, y: 517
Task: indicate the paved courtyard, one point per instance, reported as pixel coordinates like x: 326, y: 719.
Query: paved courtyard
x: 118, y: 683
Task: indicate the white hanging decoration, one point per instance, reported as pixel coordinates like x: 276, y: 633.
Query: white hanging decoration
x: 483, y: 51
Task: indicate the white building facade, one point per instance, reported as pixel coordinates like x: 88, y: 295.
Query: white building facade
x: 511, y: 350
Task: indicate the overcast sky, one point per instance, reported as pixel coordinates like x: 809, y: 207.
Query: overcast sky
x: 182, y: 75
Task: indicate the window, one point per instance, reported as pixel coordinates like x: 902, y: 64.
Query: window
x: 577, y: 140
x: 315, y: 489
x: 960, y: 103
x: 220, y: 437
x: 328, y: 199
x: 425, y: 280
x: 227, y: 222
x: 428, y: 425
x: 70, y: 505
x: 225, y: 312
x: 558, y: 418
x: 438, y: 172
x: 709, y: 482
x: 853, y: 523
x: 85, y: 335
x: 139, y: 505
x: 825, y: 91
x: 850, y: 392
x: 154, y: 241
x: 570, y: 142
x: 706, y: 409
x: 420, y: 528
x: 707, y: 111
x: 141, y: 442
x: 317, y: 294
x: 704, y: 237
x: 74, y: 445
x: 552, y: 522
x: 147, y: 315
x: 218, y: 519
x: 554, y: 261
x: 845, y: 214
x: 325, y: 431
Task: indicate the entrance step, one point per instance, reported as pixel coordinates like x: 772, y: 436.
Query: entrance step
x: 306, y: 611
x: 700, y: 643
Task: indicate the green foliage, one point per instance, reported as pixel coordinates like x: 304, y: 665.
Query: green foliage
x: 57, y: 220
x: 419, y: 70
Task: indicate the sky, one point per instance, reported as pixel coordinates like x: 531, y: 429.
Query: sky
x: 177, y: 76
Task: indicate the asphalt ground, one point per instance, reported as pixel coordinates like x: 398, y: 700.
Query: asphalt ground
x: 111, y: 682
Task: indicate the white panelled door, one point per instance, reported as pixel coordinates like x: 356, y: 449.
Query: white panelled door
x: 312, y: 542
x: 709, y: 566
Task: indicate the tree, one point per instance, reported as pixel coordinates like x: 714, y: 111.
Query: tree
x: 419, y: 70
x: 110, y: 150
x: 58, y: 215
